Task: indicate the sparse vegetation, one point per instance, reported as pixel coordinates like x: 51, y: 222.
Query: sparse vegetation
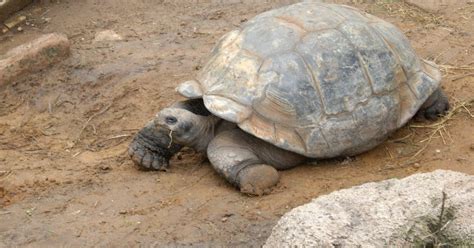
x: 431, y: 231
x: 438, y: 129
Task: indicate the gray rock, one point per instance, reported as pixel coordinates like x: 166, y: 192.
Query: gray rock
x: 391, y: 213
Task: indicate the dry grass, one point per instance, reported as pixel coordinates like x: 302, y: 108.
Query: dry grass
x: 439, y: 129
x: 465, y: 70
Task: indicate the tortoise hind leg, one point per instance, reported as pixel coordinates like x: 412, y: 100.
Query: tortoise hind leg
x: 435, y: 106
x: 231, y: 156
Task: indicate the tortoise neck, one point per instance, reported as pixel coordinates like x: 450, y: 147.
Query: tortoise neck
x: 206, y: 132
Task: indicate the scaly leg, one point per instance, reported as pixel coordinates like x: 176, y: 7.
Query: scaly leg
x: 249, y: 163
x: 435, y: 106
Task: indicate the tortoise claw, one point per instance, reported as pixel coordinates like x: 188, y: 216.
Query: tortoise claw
x: 146, y: 150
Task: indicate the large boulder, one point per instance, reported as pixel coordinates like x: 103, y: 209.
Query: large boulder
x: 422, y: 209
x: 8, y: 7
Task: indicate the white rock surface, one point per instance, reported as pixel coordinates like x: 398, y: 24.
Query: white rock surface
x: 390, y: 213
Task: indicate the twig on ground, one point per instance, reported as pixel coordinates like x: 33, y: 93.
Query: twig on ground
x: 401, y: 139
x: 90, y: 119
x: 389, y: 153
x: 440, y: 126
x: 192, y: 184
x: 454, y: 67
x: 98, y: 145
x: 462, y: 76
x: 115, y: 137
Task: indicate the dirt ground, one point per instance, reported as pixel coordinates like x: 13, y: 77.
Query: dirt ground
x: 66, y: 180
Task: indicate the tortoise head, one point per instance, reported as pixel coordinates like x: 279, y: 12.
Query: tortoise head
x: 183, y: 125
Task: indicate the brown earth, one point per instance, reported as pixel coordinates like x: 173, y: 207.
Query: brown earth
x: 65, y: 178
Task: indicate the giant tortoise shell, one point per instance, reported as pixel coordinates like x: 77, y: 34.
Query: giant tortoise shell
x: 318, y: 79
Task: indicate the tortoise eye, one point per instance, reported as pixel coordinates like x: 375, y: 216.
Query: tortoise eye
x: 171, y: 120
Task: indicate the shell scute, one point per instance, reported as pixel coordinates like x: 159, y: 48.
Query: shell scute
x: 336, y: 69
x: 318, y: 79
x: 378, y: 61
x: 297, y: 103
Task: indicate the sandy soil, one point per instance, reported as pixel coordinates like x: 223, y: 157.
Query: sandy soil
x: 65, y: 178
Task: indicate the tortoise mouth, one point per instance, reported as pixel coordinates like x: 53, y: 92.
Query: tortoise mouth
x: 162, y: 126
x: 167, y: 132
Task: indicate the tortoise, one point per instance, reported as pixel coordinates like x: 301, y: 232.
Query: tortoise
x: 302, y: 82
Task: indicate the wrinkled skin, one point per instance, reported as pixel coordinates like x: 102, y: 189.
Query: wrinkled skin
x: 152, y: 148
x: 435, y: 106
x: 245, y: 161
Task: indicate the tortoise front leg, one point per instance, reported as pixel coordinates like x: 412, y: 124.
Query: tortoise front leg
x: 152, y: 148
x: 232, y: 157
x: 249, y: 163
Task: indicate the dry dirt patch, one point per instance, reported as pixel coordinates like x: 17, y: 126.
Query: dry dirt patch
x: 64, y: 174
